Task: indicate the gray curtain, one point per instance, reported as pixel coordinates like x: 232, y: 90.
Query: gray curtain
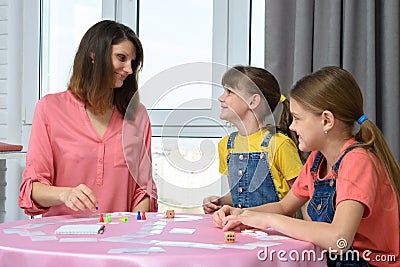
x: 361, y: 36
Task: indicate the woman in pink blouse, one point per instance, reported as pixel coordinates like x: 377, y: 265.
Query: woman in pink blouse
x: 90, y: 145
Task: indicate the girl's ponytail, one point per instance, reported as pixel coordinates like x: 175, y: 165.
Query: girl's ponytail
x: 285, y: 119
x: 371, y: 137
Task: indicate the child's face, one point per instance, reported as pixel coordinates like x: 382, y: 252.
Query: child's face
x: 234, y: 107
x: 307, y: 126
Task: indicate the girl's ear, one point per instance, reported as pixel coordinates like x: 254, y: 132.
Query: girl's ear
x: 254, y: 101
x: 328, y: 120
x: 91, y: 55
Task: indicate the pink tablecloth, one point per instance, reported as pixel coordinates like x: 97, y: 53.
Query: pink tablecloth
x: 187, y: 240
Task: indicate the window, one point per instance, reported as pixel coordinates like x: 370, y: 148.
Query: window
x: 185, y: 171
x: 172, y: 38
x: 257, y: 32
x: 53, y: 30
x: 179, y: 83
x: 63, y: 24
x: 188, y: 46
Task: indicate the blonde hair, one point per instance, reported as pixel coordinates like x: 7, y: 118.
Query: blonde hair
x: 325, y: 90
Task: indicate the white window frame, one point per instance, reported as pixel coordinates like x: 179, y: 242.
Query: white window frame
x: 230, y: 47
x: 30, y: 65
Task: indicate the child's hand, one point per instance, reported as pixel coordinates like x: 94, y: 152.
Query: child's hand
x: 226, y: 210
x: 251, y: 219
x: 211, y: 204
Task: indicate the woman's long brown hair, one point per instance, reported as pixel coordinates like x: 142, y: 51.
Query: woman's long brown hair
x: 92, y: 77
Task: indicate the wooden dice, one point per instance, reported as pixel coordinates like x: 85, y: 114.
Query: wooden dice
x: 230, y: 237
x: 169, y: 214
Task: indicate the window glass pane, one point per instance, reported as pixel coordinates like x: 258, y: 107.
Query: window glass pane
x: 64, y: 23
x: 257, y: 57
x: 173, y: 33
x: 186, y: 170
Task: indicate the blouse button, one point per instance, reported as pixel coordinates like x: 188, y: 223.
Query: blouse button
x: 240, y: 172
x: 331, y: 183
x: 240, y: 190
x: 261, y: 155
x: 240, y: 157
x: 319, y: 207
x: 239, y: 206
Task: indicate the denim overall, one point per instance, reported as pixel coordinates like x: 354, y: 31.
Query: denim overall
x: 322, y: 209
x: 250, y: 176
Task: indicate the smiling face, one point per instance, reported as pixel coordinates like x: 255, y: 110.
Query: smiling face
x: 122, y: 55
x: 234, y: 107
x: 308, y: 127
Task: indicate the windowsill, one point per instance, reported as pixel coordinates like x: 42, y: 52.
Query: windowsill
x: 13, y: 155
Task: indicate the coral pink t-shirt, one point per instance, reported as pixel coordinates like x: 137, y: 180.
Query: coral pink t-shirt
x: 358, y: 179
x: 65, y: 150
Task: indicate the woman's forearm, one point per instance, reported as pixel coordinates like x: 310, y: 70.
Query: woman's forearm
x: 46, y: 195
x: 143, y: 205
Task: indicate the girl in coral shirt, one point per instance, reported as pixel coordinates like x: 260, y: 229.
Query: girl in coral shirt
x: 351, y: 178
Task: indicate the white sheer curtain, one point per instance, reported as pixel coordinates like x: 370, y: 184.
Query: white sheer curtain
x: 361, y: 36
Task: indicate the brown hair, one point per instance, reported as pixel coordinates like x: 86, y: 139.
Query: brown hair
x: 255, y: 80
x: 325, y: 90
x: 91, y: 81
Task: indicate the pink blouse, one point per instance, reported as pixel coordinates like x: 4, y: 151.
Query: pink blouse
x: 65, y: 150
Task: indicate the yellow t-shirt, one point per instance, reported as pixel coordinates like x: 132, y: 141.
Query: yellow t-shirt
x: 283, y: 158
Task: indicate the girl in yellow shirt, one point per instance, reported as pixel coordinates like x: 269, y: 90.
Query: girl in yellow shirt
x: 260, y: 160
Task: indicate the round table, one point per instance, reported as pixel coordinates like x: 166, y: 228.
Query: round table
x: 186, y: 240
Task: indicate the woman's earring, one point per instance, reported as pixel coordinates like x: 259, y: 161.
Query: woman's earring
x: 326, y: 132
x: 92, y: 61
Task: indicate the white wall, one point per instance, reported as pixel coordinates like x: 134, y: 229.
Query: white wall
x: 3, y: 69
x: 11, y: 61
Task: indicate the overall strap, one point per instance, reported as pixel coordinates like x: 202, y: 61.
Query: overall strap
x: 314, y: 167
x: 231, y: 140
x: 335, y: 167
x: 282, y: 132
x: 266, y: 140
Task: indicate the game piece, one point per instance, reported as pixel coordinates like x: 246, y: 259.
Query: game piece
x: 101, y: 218
x: 108, y: 218
x: 124, y: 219
x: 143, y: 215
x: 138, y: 216
x: 230, y: 237
x: 169, y: 214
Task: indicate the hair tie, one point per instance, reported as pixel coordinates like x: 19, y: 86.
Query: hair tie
x: 283, y: 98
x: 362, y: 119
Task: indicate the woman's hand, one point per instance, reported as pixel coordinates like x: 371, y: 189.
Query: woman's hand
x: 211, y: 204
x: 78, y: 198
